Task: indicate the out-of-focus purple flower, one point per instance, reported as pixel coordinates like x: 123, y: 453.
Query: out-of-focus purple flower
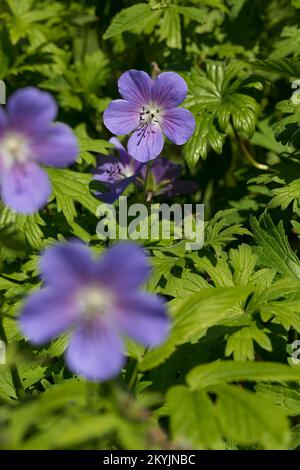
x: 99, y: 302
x: 29, y: 138
x: 165, y: 180
x: 115, y: 173
x: 149, y: 110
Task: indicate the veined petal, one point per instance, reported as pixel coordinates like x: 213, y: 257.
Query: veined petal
x: 46, y: 314
x: 178, y: 124
x: 25, y: 187
x: 31, y: 110
x: 135, y: 86
x: 67, y: 265
x: 146, y: 143
x: 57, y: 147
x: 143, y: 317
x: 169, y: 90
x: 121, y: 117
x: 96, y: 351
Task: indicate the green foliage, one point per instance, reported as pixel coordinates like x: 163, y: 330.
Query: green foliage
x: 225, y: 377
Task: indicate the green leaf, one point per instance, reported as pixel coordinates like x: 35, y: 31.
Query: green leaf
x: 170, y: 28
x: 241, y: 343
x: 70, y: 187
x: 7, y: 389
x: 218, y: 372
x: 128, y: 19
x: 193, y: 316
x: 273, y: 247
x: 250, y: 419
x: 196, y: 14
x: 193, y: 419
x: 217, y: 98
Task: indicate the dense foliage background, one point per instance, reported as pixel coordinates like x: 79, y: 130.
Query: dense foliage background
x: 224, y: 379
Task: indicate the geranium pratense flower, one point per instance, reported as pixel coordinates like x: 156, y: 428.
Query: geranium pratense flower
x: 149, y: 109
x: 29, y: 138
x: 165, y: 180
x: 118, y: 173
x: 99, y: 301
x: 115, y: 173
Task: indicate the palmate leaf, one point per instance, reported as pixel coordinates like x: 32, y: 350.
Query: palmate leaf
x: 288, y: 45
x: 273, y: 248
x: 241, y: 343
x: 287, y: 67
x: 19, y: 231
x: 218, y: 97
x: 287, y: 130
x: 193, y: 316
x: 70, y: 187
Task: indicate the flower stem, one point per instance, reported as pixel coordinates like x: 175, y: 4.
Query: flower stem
x: 133, y: 377
x: 246, y: 152
x: 148, y: 168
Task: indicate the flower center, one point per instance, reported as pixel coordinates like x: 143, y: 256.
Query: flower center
x: 14, y: 149
x: 150, y: 115
x: 94, y: 301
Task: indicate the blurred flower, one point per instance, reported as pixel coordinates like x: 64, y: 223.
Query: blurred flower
x: 98, y: 301
x: 28, y: 138
x: 115, y: 173
x: 148, y: 110
x: 164, y: 179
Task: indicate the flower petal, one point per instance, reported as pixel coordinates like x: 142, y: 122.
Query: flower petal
x: 121, y: 117
x: 144, y: 318
x: 124, y: 266
x: 176, y: 188
x: 96, y: 351
x: 25, y: 188
x: 124, y: 156
x: 169, y: 90
x: 67, y: 265
x: 178, y: 124
x: 146, y: 144
x: 113, y: 190
x: 107, y: 170
x: 46, y: 314
x: 135, y: 86
x: 3, y: 122
x: 31, y: 110
x: 57, y: 147
x: 164, y: 169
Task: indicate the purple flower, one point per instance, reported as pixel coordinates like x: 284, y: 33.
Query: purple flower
x: 118, y: 173
x: 115, y: 173
x: 29, y: 138
x: 148, y: 110
x: 165, y: 180
x: 99, y: 302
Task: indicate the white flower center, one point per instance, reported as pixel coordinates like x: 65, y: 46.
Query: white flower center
x: 127, y: 171
x: 150, y: 115
x: 14, y: 148
x: 94, y: 301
